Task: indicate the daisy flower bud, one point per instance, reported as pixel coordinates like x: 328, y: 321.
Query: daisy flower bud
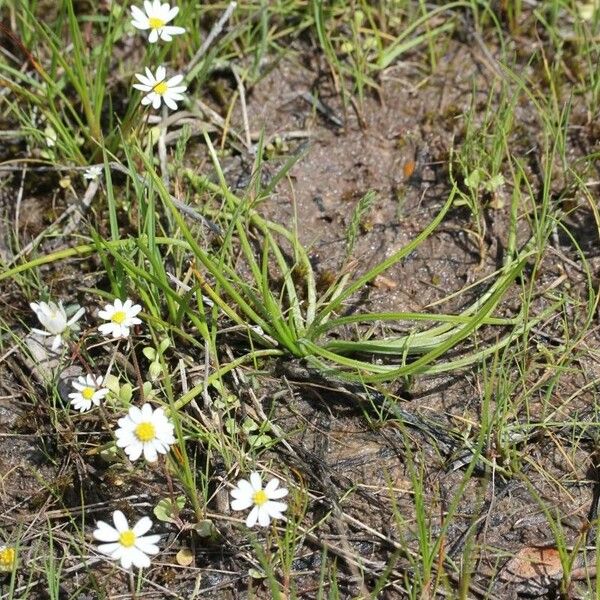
x: 54, y: 318
x: 264, y: 508
x: 125, y: 544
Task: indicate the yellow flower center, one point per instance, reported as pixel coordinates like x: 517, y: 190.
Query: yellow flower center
x: 7, y: 558
x: 88, y: 393
x: 160, y: 88
x: 145, y: 432
x: 156, y: 23
x: 260, y: 497
x: 127, y: 538
x: 118, y: 317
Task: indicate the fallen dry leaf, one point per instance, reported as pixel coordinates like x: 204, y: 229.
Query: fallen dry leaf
x: 385, y: 283
x: 534, y: 569
x: 184, y: 557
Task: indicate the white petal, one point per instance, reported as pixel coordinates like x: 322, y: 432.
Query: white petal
x: 81, y: 404
x: 275, y: 507
x: 138, y: 14
x: 126, y: 423
x: 126, y: 558
x: 241, y: 503
x: 149, y: 540
x: 263, y: 516
x: 134, y: 310
x: 110, y: 549
x: 120, y: 521
x: 134, y: 451
x: 172, y: 13
x: 170, y: 30
x: 142, y: 526
x: 106, y: 329
x: 40, y: 332
x: 177, y: 92
x: 76, y: 317
x: 45, y: 309
x: 150, y: 453
x: 175, y: 80
x: 170, y: 103
x: 146, y: 412
x: 147, y: 548
x: 105, y: 533
x: 120, y: 332
x: 125, y: 438
x: 139, y: 559
x: 143, y: 86
x: 156, y: 102
x: 272, y: 485
x: 252, y: 517
x: 273, y: 490
x: 255, y: 481
x: 139, y: 24
x: 244, y: 487
x: 162, y: 9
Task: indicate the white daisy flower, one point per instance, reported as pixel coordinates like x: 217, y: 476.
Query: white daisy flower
x: 160, y: 90
x: 54, y: 318
x: 145, y: 430
x: 89, y: 391
x: 92, y: 173
x: 120, y: 316
x: 155, y: 19
x: 248, y: 493
x: 130, y: 546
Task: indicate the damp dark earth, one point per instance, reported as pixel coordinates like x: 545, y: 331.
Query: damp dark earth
x: 299, y: 299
